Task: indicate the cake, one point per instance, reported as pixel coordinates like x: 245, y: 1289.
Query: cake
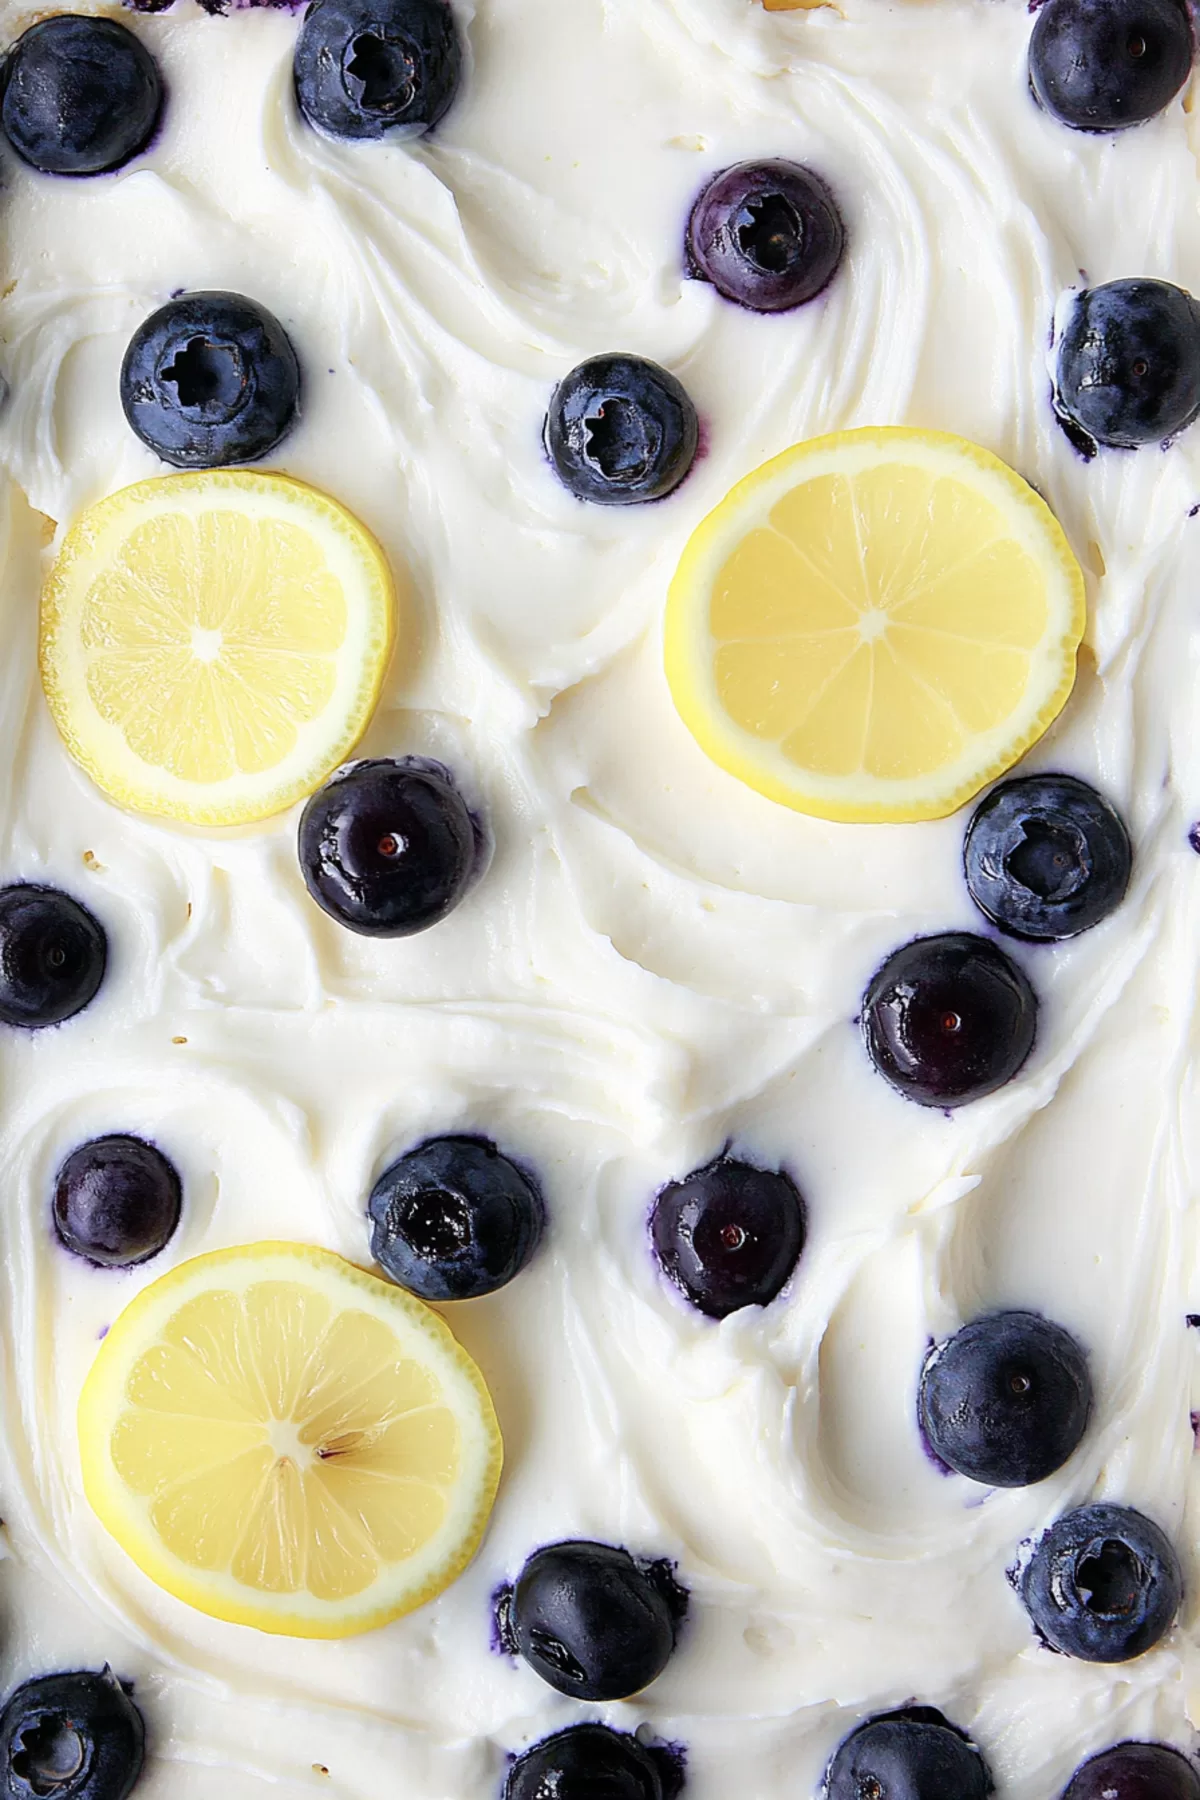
x: 643, y: 981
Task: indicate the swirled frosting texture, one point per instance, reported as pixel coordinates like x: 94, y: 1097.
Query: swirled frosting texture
x: 658, y: 962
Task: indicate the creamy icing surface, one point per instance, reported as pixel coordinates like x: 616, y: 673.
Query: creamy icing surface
x: 657, y: 962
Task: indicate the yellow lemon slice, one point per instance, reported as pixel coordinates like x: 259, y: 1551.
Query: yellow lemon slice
x: 283, y: 1441
x: 213, y: 644
x: 874, y: 625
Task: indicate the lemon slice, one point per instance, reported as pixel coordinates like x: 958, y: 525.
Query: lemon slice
x: 874, y: 625
x: 283, y: 1441
x: 213, y: 644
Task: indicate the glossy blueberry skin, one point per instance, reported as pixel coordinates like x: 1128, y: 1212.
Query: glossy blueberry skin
x: 81, y: 95
x: 729, y: 1235
x: 1103, y: 65
x: 117, y: 1201
x: 620, y: 430
x: 454, y: 1219
x: 1047, y: 857
x: 53, y: 957
x: 388, y: 848
x: 70, y: 1737
x: 1135, y: 1772
x: 1103, y: 1584
x: 376, y: 68
x: 585, y: 1762
x: 768, y: 235
x: 209, y: 380
x: 1129, y: 363
x: 911, y: 1755
x: 949, y: 1019
x: 1006, y: 1400
x: 592, y: 1622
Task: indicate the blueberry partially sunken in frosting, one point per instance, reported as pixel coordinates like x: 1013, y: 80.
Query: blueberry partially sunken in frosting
x: 768, y: 235
x: 210, y: 379
x: 53, y: 957
x: 1006, y: 1400
x: 592, y: 1622
x: 388, y: 848
x: 70, y: 1737
x: 454, y: 1219
x: 377, y: 68
x: 1135, y: 1772
x: 117, y: 1201
x: 586, y: 1762
x: 621, y: 430
x: 81, y: 95
x: 1103, y: 1584
x: 1103, y: 65
x: 1128, y: 370
x: 949, y: 1019
x: 915, y: 1754
x: 729, y: 1235
x: 1047, y: 857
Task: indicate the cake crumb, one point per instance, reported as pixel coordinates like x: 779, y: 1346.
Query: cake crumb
x: 320, y: 1769
x: 179, y: 1040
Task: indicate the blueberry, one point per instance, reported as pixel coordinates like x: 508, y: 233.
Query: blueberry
x: 1102, y: 65
x: 768, y: 235
x: 454, y: 1219
x: 1103, y: 1584
x: 210, y: 379
x: 585, y: 1762
x: 71, y: 1737
x: 949, y: 1019
x: 81, y: 95
x: 53, y: 955
x: 1135, y: 1772
x: 117, y: 1201
x: 1006, y: 1400
x: 1047, y: 857
x: 729, y: 1235
x: 1129, y: 363
x: 370, y: 68
x: 911, y: 1755
x: 388, y: 848
x: 621, y: 430
x: 592, y: 1622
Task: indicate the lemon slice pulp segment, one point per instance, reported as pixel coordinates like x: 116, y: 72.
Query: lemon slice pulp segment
x: 874, y: 625
x: 284, y: 1441
x: 213, y: 644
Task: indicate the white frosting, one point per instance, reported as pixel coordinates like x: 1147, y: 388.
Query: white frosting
x: 658, y: 961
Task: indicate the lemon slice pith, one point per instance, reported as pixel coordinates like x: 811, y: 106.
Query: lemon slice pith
x: 282, y: 1440
x: 213, y: 644
x: 874, y: 625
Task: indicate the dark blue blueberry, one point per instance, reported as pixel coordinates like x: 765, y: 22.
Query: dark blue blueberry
x: 388, y: 848
x: 1135, y: 1772
x: 1006, y: 1400
x: 117, y: 1201
x: 71, y: 1737
x: 53, y: 955
x: 1047, y: 857
x: 621, y: 430
x: 1103, y: 1584
x: 768, y: 235
x: 592, y: 1622
x: 454, y: 1219
x: 585, y: 1762
x: 210, y: 379
x: 949, y: 1019
x: 1129, y: 363
x: 373, y: 68
x: 729, y: 1235
x: 81, y: 95
x: 1101, y: 65
x: 911, y: 1755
